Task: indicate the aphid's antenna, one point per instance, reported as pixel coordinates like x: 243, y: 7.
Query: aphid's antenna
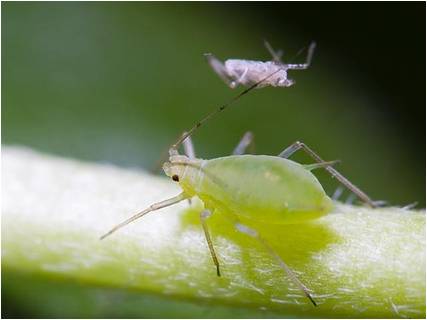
x: 174, y: 147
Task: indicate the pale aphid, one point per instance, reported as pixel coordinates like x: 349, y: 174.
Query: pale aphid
x: 235, y: 72
x: 231, y: 186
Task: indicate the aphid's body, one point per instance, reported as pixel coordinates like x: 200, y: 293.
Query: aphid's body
x: 269, y: 189
x: 273, y: 73
x: 249, y: 72
x: 289, y: 192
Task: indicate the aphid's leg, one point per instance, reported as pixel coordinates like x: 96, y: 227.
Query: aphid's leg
x: 220, y: 70
x: 245, y: 142
x: 204, y: 215
x: 235, y: 83
x: 277, y: 56
x: 381, y: 203
x: 302, y: 66
x: 335, y: 174
x: 153, y: 207
x: 410, y: 206
x: 319, y: 165
x: 189, y: 147
x: 189, y: 152
x: 254, y: 234
x: 337, y: 193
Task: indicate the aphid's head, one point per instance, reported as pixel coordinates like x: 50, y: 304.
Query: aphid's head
x: 175, y: 168
x: 183, y: 170
x: 284, y: 82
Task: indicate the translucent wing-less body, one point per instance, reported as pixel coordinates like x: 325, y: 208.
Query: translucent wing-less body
x: 235, y: 72
x: 258, y: 187
x: 249, y: 72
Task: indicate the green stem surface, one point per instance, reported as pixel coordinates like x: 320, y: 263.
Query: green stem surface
x: 358, y: 262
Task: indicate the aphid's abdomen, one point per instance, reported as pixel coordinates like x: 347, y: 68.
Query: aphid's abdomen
x: 255, y: 71
x: 264, y: 188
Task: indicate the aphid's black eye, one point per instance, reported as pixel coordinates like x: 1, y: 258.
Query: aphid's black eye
x: 175, y: 177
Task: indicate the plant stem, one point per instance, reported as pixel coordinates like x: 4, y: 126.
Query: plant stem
x: 358, y: 262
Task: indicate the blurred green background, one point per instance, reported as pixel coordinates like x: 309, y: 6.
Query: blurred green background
x: 118, y: 82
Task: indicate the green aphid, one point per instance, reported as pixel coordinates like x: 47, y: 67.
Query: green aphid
x: 270, y: 189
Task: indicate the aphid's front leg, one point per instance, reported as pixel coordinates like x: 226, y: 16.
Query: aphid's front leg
x: 220, y: 70
x: 254, y: 234
x: 244, y: 143
x: 335, y: 174
x: 204, y: 215
x: 153, y: 207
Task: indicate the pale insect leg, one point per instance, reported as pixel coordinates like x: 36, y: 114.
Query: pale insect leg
x: 319, y: 165
x: 302, y: 66
x: 244, y: 143
x: 189, y: 151
x: 277, y: 56
x: 337, y: 193
x: 254, y: 234
x: 410, y: 206
x: 189, y: 147
x: 241, y: 78
x: 204, y: 215
x: 335, y: 174
x: 153, y: 207
x: 380, y: 203
x: 220, y: 70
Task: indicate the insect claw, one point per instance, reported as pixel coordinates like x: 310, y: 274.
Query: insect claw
x: 311, y: 299
x: 218, y: 273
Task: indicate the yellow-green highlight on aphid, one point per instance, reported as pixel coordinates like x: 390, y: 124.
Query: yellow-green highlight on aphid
x: 259, y: 188
x: 263, y: 188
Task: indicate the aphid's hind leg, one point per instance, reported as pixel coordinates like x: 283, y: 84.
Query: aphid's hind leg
x: 204, y: 215
x: 246, y: 141
x: 254, y: 234
x: 220, y: 70
x: 302, y: 66
x: 153, y: 207
x: 276, y: 55
x: 335, y: 174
